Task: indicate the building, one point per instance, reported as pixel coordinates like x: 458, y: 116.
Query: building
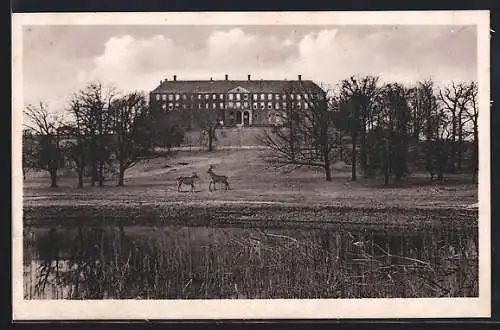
x: 232, y: 102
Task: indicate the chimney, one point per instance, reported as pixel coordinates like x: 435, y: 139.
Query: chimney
x: 300, y: 77
x: 227, y: 77
x: 248, y: 77
x: 175, y: 77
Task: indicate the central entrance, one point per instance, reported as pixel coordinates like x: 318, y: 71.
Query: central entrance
x: 246, y: 118
x: 243, y: 118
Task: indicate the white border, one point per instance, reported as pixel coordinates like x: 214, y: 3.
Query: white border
x: 260, y: 309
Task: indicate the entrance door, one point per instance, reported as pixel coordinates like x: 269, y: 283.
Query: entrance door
x: 246, y: 118
x: 239, y: 119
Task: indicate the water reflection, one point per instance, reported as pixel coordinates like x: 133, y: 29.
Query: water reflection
x: 205, y: 263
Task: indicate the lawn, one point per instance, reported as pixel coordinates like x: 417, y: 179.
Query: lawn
x: 252, y: 181
x: 255, y: 188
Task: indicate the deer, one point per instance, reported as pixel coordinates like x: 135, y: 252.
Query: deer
x: 214, y: 179
x: 187, y: 180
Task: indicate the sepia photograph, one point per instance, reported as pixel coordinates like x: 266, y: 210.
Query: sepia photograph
x: 251, y: 165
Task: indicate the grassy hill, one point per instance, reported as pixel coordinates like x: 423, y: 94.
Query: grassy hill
x: 252, y: 180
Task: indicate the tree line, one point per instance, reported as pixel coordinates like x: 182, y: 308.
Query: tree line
x: 382, y: 129
x: 108, y: 132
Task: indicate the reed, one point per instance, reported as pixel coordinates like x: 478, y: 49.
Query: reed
x: 231, y: 263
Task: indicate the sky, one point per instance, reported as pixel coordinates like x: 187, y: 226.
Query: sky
x: 60, y: 60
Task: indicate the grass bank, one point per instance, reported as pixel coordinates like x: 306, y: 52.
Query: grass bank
x: 248, y: 215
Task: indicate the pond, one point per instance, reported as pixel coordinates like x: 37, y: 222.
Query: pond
x: 175, y: 262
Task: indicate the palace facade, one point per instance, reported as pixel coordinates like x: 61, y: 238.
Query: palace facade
x: 232, y: 102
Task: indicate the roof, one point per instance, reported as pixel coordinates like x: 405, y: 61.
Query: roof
x: 223, y: 86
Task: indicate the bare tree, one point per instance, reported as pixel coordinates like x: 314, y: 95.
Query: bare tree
x: 29, y: 152
x: 472, y: 113
x: 454, y: 98
x: 210, y: 122
x: 77, y: 149
x: 45, y: 128
x: 305, y: 135
x: 131, y: 128
x: 359, y: 97
x: 93, y: 104
x: 395, y: 122
x: 425, y: 126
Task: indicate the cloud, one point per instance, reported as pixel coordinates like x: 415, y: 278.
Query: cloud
x: 327, y: 55
x: 134, y: 63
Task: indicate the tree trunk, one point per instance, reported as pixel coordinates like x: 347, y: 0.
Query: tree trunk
x: 121, y: 176
x: 386, y: 177
x: 353, y: 159
x: 327, y: 169
x: 53, y: 177
x: 80, y: 170
x: 453, y: 153
x: 93, y: 177
x: 475, y: 155
x: 460, y: 140
x: 362, y: 146
x: 210, y: 142
x: 101, y: 174
x: 80, y: 178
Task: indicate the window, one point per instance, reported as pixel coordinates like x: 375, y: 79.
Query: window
x: 255, y: 106
x: 245, y: 104
x: 262, y: 96
x: 177, y: 97
x: 277, y: 106
x: 299, y: 105
x: 157, y: 97
x: 231, y: 96
x: 184, y: 96
x: 214, y: 96
x: 284, y: 105
x: 206, y: 106
x: 306, y: 105
x: 184, y: 106
x: 269, y: 96
x: 164, y: 106
x: 214, y: 105
x: 177, y: 105
x: 170, y: 106
x: 277, y: 96
x: 298, y: 96
x: 245, y: 96
x: 284, y: 96
x: 221, y: 105
x: 170, y: 97
x: 230, y: 104
x: 291, y: 96
x: 255, y: 97
x: 238, y: 105
x: 221, y: 96
x: 164, y: 97
x: 262, y: 105
x: 199, y: 96
x: 207, y: 96
x: 269, y: 105
x: 238, y: 97
x: 306, y: 96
